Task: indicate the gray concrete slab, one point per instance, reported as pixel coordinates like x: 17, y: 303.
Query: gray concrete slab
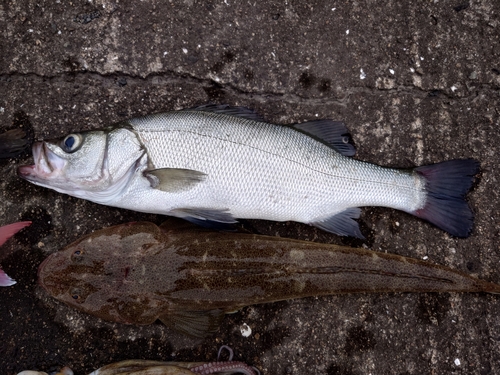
x: 416, y: 82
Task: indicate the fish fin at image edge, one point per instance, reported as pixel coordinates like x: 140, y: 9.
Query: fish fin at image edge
x: 7, y: 231
x: 447, y: 183
x: 13, y: 142
x: 5, y: 280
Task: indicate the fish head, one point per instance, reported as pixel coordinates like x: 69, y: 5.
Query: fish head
x: 91, y: 165
x: 102, y: 274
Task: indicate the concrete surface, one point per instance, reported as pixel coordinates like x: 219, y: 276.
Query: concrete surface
x: 416, y: 82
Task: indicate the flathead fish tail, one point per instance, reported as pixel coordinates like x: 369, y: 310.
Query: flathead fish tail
x: 482, y: 286
x: 488, y: 287
x: 447, y: 183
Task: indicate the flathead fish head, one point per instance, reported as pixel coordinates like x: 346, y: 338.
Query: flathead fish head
x: 87, y: 165
x: 101, y: 273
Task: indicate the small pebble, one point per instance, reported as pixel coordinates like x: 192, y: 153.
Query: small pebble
x: 245, y: 330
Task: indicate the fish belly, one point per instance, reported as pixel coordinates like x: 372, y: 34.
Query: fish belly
x: 264, y: 171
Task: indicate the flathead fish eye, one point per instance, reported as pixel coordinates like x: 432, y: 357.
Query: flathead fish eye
x: 77, y: 255
x: 77, y: 295
x: 71, y: 143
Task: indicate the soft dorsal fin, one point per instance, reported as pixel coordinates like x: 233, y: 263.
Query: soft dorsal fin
x: 173, y: 179
x: 333, y: 133
x: 228, y: 110
x: 194, y: 323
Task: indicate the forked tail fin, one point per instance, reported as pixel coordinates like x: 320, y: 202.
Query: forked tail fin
x: 447, y: 183
x: 6, y: 232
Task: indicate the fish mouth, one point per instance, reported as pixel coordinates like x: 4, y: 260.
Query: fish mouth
x: 47, y: 164
x: 46, y: 271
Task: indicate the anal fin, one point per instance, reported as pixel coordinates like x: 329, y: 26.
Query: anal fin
x: 342, y: 224
x: 194, y: 323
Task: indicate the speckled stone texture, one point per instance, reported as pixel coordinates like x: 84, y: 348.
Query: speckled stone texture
x: 416, y: 82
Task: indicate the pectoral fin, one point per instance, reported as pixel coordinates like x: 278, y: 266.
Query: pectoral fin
x: 173, y: 179
x: 194, y: 323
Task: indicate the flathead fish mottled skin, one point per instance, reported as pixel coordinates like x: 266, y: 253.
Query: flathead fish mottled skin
x: 214, y: 164
x: 189, y: 278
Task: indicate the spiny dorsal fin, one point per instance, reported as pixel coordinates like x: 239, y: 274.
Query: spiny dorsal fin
x: 333, y: 133
x: 228, y: 110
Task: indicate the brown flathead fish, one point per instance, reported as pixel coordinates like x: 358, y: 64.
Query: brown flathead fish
x: 137, y: 273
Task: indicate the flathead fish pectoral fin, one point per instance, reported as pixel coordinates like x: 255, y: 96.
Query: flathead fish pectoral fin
x: 334, y: 133
x: 194, y: 323
x: 230, y: 111
x: 208, y: 218
x: 173, y: 179
x: 342, y: 223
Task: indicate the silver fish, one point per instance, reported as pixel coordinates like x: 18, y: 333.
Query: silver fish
x: 214, y: 164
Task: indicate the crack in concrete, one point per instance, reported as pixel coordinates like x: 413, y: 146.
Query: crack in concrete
x: 173, y: 77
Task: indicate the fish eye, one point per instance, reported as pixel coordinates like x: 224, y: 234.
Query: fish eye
x: 71, y: 143
x: 77, y: 255
x: 76, y: 294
